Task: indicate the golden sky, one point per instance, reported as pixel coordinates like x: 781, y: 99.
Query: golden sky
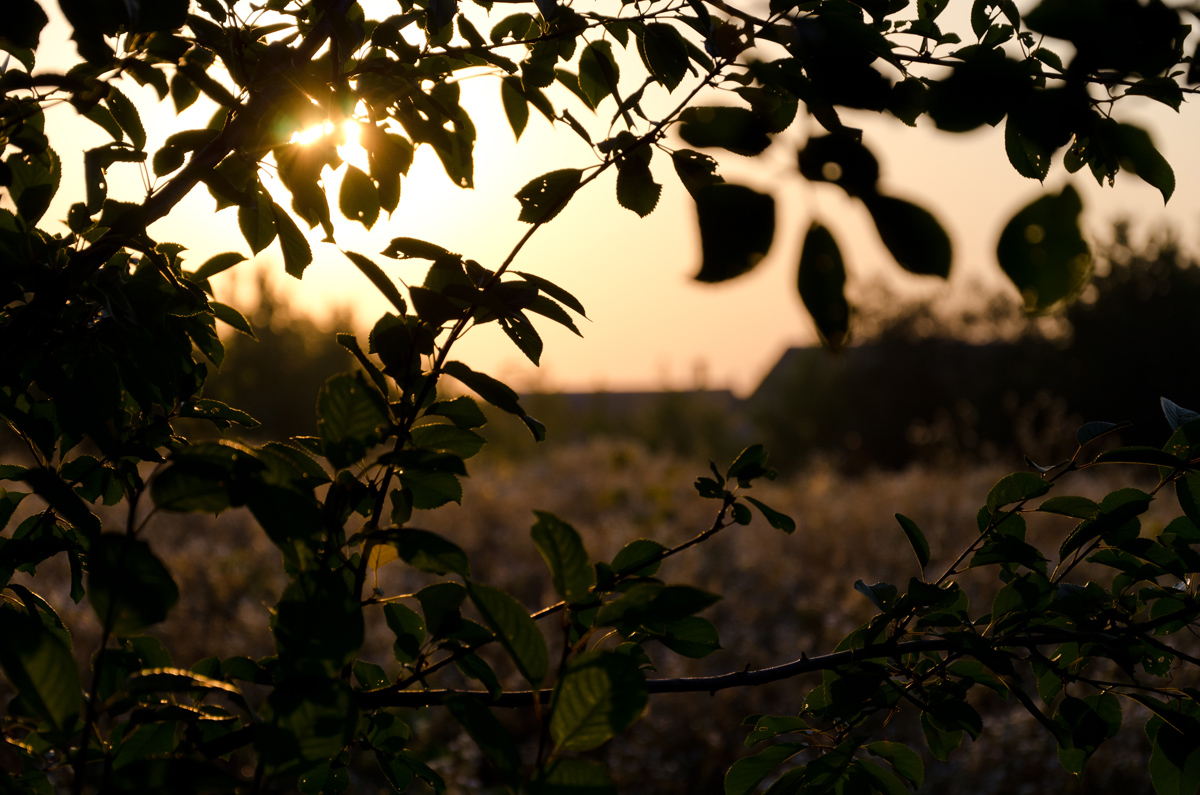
x: 651, y: 325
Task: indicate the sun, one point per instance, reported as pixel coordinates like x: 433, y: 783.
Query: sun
x: 349, y: 147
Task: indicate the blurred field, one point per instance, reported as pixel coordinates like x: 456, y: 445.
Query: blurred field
x: 783, y: 595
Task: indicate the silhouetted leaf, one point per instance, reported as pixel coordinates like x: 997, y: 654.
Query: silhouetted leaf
x: 916, y: 539
x: 516, y: 107
x: 350, y: 416
x: 912, y: 234
x: 636, y: 188
x: 358, y: 197
x: 1017, y: 487
x: 257, y: 222
x: 562, y: 549
x: 382, y: 282
x: 821, y: 282
x: 737, y: 225
x: 545, y: 197
x: 1043, y: 252
x: 738, y: 130
x: 297, y: 254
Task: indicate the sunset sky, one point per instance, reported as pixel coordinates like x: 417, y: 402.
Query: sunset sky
x: 651, y: 325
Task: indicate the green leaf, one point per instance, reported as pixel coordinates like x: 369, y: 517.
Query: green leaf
x: 738, y: 130
x: 41, y: 668
x: 1149, y: 456
x: 1077, y: 507
x: 231, y: 317
x: 1043, y: 253
x: 411, y: 248
x: 745, y: 774
x: 562, y: 549
x: 429, y: 552
x: 380, y: 279
x: 127, y: 116
x: 358, y: 197
x: 489, y: 734
x: 318, y: 626
x: 566, y: 776
x: 297, y: 254
x: 601, y: 695
x: 448, y: 439
x: 545, y: 197
x: 218, y: 264
x: 408, y: 627
x: 1138, y: 154
x: 737, y: 225
x: 208, y: 409
x: 822, y: 282
x: 516, y: 631
x: 35, y: 179
x: 350, y: 416
x: 940, y: 741
x: 431, y: 489
x: 912, y: 234
x: 257, y: 222
x: 903, y: 760
x: 639, y: 558
x: 463, y: 411
x: 598, y: 72
x: 1017, y: 487
x: 516, y: 107
x: 780, y: 521
x: 916, y: 539
x: 636, y: 188
x: 128, y: 587
x: 691, y: 636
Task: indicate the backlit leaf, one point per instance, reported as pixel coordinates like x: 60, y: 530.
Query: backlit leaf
x: 737, y: 226
x: 821, y: 282
x: 516, y: 631
x: 1043, y: 252
x: 600, y: 695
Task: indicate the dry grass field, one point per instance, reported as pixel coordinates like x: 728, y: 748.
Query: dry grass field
x: 783, y: 595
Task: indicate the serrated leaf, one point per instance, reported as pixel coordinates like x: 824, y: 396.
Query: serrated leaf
x: 546, y: 196
x: 562, y: 549
x: 636, y: 188
x: 231, y: 317
x: 601, y: 695
x: 350, y: 415
x: 218, y: 264
x: 516, y: 631
x: 40, y: 667
x: 127, y: 116
x: 207, y: 409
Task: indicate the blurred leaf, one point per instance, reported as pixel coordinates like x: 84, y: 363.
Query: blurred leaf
x: 822, y: 282
x: 1043, y: 252
x: 738, y: 130
x: 566, y: 776
x: 912, y: 234
x: 516, y: 107
x: 489, y: 734
x: 128, y: 587
x: 41, y: 670
x: 429, y: 552
x: 601, y: 695
x: 737, y: 225
x: 640, y: 558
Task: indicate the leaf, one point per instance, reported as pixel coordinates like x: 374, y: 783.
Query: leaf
x: 780, y: 521
x: 1176, y: 415
x: 350, y: 415
x: 1138, y: 154
x: 411, y: 248
x: 518, y: 329
x: 1017, y: 487
x: 41, y: 668
x: 358, y: 197
x: 1027, y: 156
x: 1163, y: 89
x: 916, y: 539
x: 127, y: 116
x: 408, y: 627
x: 636, y: 188
x: 664, y: 53
x: 562, y: 549
x: 128, y: 587
x: 912, y: 234
x: 598, y: 72
x: 639, y: 558
x: 35, y: 180
x: 208, y: 409
x: 601, y: 695
x: 489, y: 734
x: 297, y: 255
x: 903, y: 760
x: 231, y: 317
x: 516, y: 107
x: 1043, y: 253
x: 428, y: 552
x: 745, y: 774
x: 218, y: 264
x: 516, y: 631
x: 553, y: 290
x: 431, y: 489
x: 462, y: 411
x: 546, y: 196
x: 1149, y: 456
x: 738, y: 130
x: 380, y: 279
x: 448, y: 439
x: 695, y: 170
x: 821, y: 282
x: 690, y: 636
x: 566, y: 776
x: 257, y: 222
x: 737, y: 225
x: 498, y: 394
x: 1091, y: 431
